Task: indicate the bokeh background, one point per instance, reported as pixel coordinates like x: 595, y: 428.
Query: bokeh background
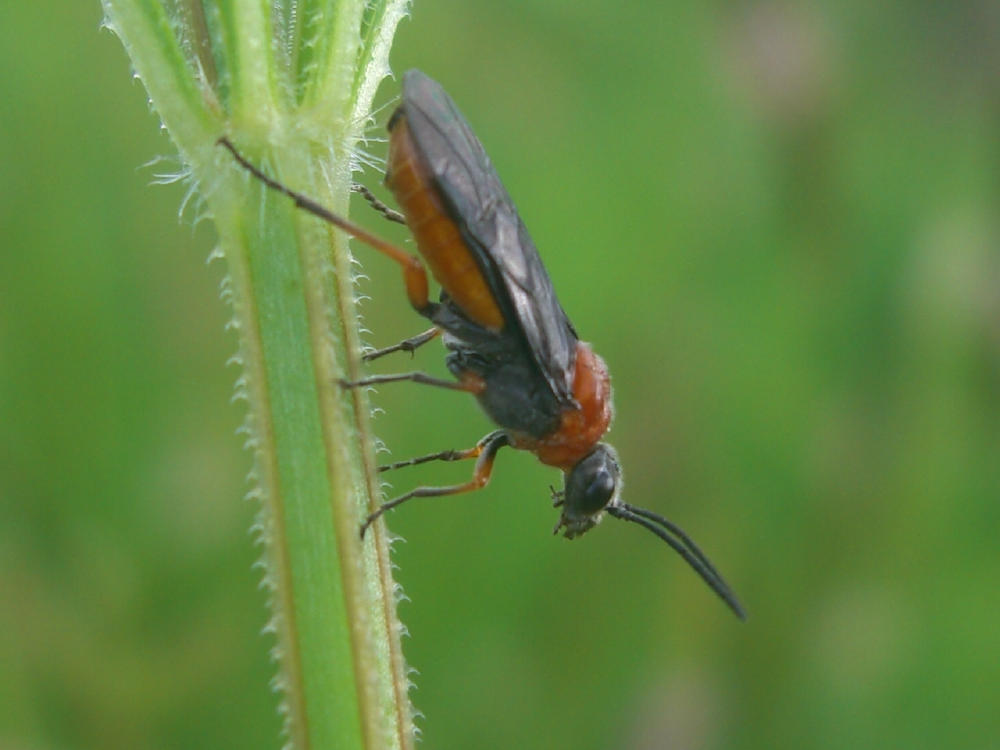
x: 778, y: 222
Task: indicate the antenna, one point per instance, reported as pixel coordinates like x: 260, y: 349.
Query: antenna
x: 684, y: 546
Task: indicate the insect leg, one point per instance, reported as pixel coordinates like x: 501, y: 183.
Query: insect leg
x: 472, y: 452
x: 480, y: 477
x: 378, y: 205
x: 414, y: 275
x: 469, y: 384
x: 406, y: 345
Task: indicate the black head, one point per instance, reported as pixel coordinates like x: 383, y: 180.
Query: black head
x: 592, y: 489
x: 591, y: 486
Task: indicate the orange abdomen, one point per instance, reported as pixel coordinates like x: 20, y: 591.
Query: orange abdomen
x: 438, y: 239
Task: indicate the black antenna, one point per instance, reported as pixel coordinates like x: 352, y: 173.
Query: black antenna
x: 685, y: 547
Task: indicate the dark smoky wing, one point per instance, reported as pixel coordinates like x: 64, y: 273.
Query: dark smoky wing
x: 483, y: 210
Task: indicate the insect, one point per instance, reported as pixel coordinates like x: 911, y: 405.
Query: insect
x: 509, y: 342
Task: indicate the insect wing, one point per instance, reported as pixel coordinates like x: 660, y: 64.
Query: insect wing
x: 485, y: 214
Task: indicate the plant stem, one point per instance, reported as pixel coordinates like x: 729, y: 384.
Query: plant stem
x: 290, y: 82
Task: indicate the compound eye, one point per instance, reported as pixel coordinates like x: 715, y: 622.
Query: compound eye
x: 598, y: 492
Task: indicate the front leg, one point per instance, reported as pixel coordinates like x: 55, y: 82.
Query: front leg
x: 453, y: 455
x: 480, y: 477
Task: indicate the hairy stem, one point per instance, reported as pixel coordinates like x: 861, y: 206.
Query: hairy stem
x: 290, y: 82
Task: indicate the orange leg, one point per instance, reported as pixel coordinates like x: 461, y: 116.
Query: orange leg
x: 414, y: 275
x: 472, y: 452
x: 480, y: 477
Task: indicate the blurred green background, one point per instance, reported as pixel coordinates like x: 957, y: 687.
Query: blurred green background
x: 779, y: 225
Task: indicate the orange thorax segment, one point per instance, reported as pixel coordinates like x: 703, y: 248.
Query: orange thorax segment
x: 440, y: 243
x: 580, y: 429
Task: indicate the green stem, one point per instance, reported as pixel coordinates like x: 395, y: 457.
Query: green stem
x: 223, y: 67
